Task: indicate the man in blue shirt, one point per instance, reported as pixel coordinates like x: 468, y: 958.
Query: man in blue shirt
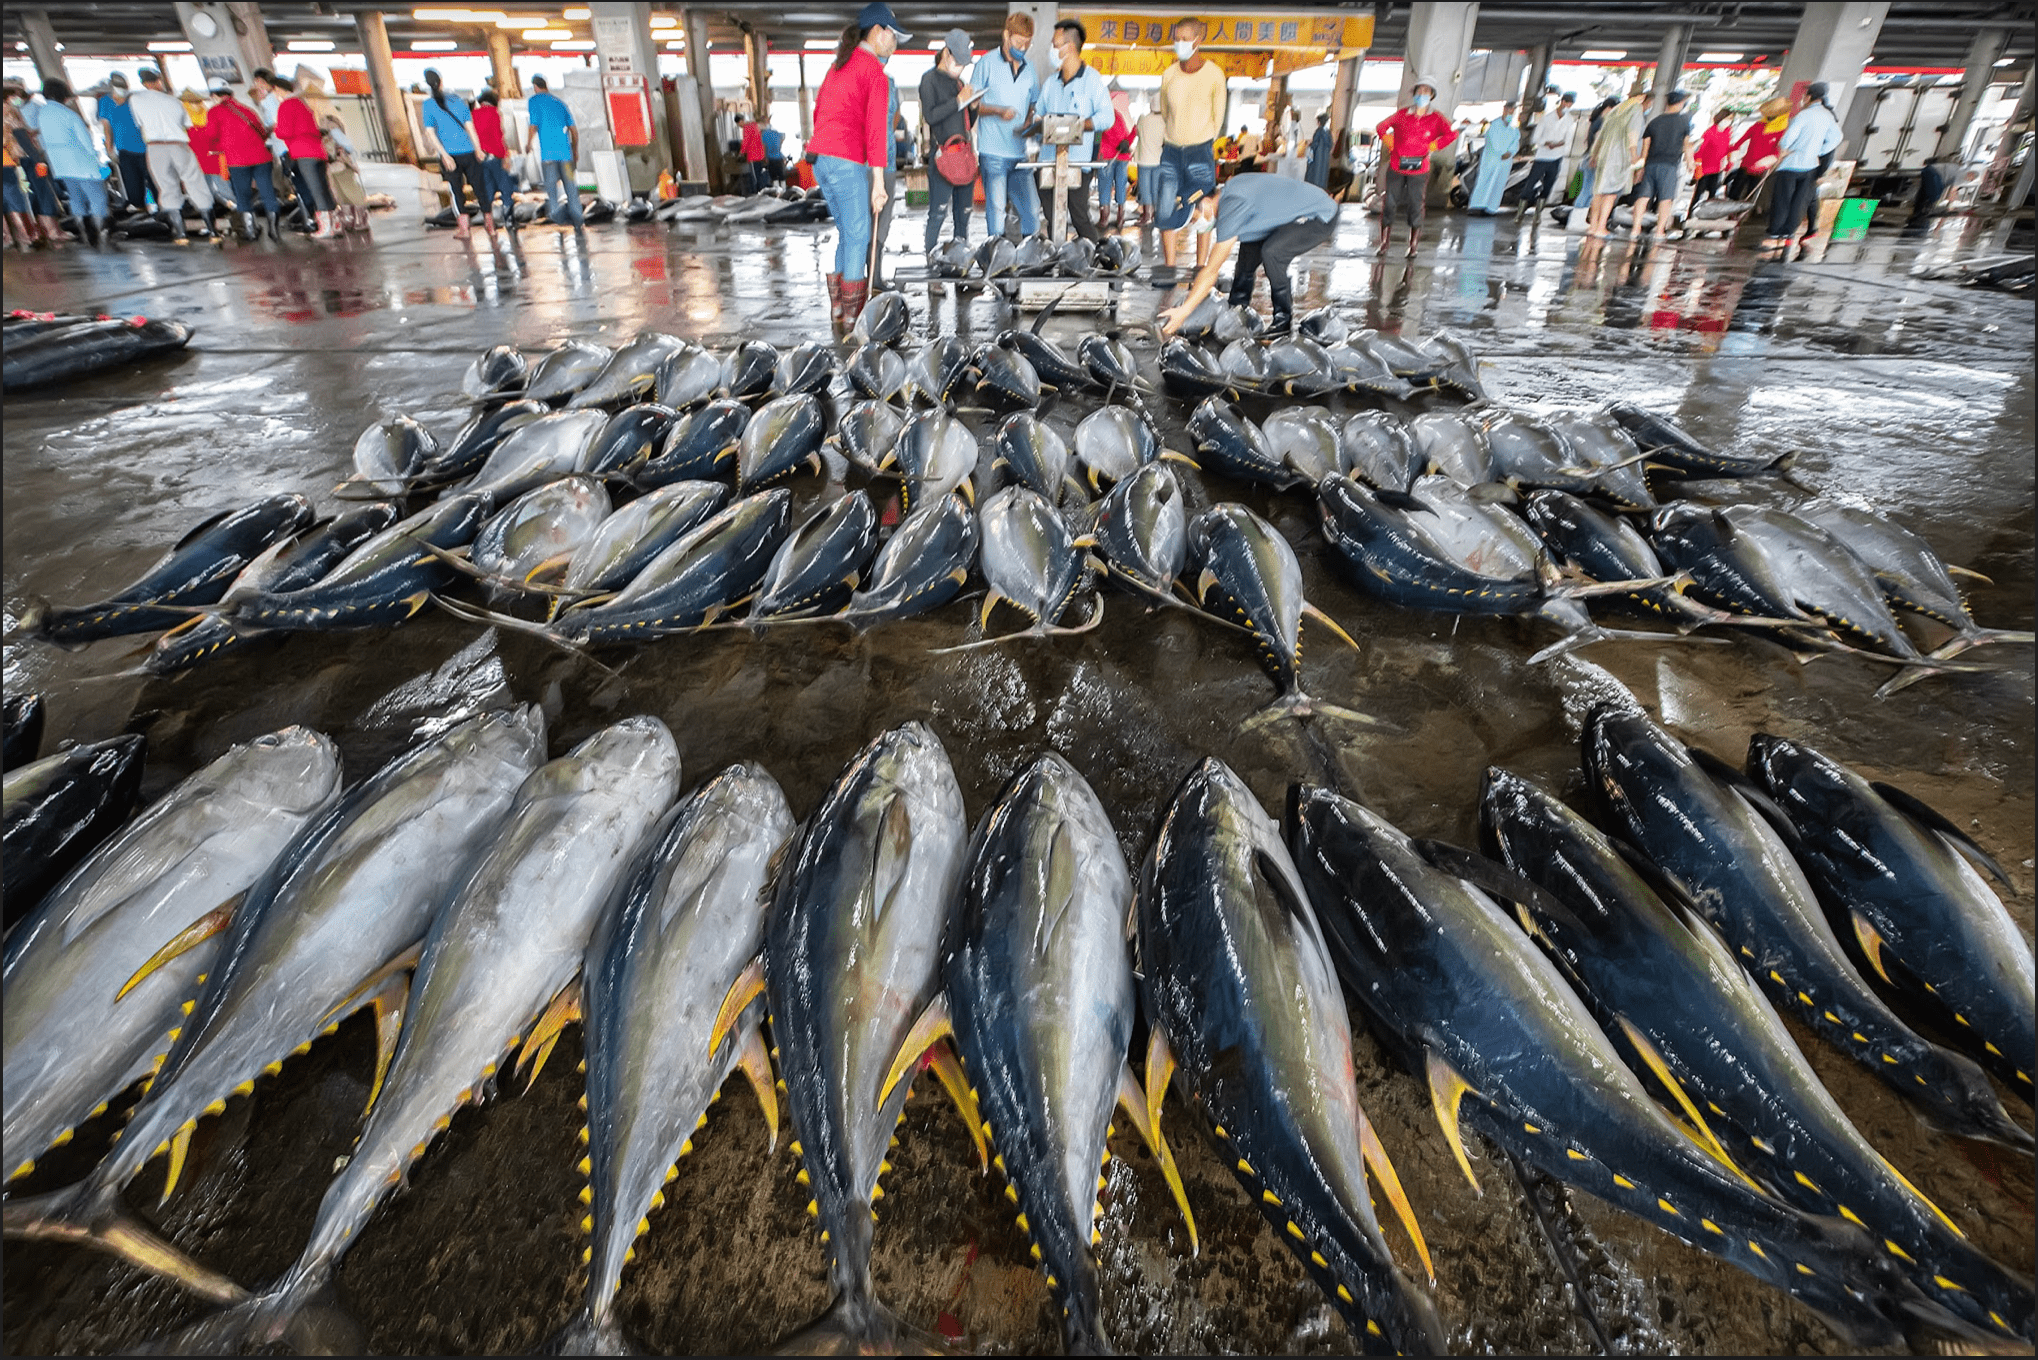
x: 1812, y: 134
x: 1010, y: 96
x: 1078, y: 90
x: 774, y: 149
x: 124, y: 139
x: 1269, y: 220
x: 557, y: 142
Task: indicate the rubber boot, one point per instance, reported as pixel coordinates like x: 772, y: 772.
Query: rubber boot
x: 88, y: 227
x: 178, y: 236
x: 325, y: 227
x: 269, y: 220
x: 1414, y: 236
x: 250, y: 232
x: 104, y: 227
x: 834, y: 296
x: 1281, y: 324
x: 855, y: 292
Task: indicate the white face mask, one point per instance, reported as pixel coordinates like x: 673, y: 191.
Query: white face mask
x: 1184, y: 51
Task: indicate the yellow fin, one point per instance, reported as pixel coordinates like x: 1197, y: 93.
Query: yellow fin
x: 179, y: 1146
x: 1375, y: 1154
x: 538, y: 1044
x: 1446, y: 1090
x: 756, y: 1065
x: 748, y: 986
x: 1327, y: 621
x: 1143, y: 1108
x: 931, y: 1028
x: 1871, y: 943
x: 1905, y: 1182
x: 390, y: 1001
x: 948, y: 1070
x: 1704, y: 1135
x: 191, y: 936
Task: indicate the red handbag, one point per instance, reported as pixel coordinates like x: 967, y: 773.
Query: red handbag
x: 956, y: 161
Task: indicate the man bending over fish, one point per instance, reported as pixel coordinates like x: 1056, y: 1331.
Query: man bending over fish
x: 1269, y: 220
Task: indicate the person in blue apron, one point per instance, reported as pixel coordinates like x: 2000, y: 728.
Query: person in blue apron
x: 1496, y: 160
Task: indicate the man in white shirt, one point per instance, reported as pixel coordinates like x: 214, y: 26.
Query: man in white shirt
x: 1550, y: 144
x: 166, y: 126
x: 1147, y: 152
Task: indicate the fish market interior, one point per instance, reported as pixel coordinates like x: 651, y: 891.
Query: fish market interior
x: 975, y: 678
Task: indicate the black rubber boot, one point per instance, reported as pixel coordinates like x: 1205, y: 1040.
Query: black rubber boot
x: 1281, y: 324
x: 269, y: 219
x: 175, y: 221
x: 102, y: 229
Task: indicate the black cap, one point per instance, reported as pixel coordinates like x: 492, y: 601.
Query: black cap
x: 1678, y: 97
x: 1816, y: 92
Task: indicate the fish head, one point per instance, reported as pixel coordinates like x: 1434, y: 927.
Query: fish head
x: 500, y: 370
x: 1626, y: 754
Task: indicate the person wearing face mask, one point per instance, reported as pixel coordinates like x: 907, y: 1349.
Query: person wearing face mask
x: 1409, y: 136
x: 1268, y: 220
x: 124, y: 140
x: 944, y: 106
x: 1077, y: 90
x: 851, y: 144
x: 1192, y: 106
x: 1011, y: 96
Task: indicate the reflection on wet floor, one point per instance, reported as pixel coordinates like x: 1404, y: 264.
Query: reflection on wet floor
x: 1910, y: 396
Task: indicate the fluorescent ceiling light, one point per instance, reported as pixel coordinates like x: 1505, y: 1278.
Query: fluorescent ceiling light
x: 311, y: 45
x: 573, y: 46
x: 2006, y: 61
x: 523, y: 20
x: 545, y: 34
x: 581, y: 13
x: 1604, y: 54
x: 168, y: 47
x: 822, y: 44
x: 664, y: 21
x: 1721, y: 56
x: 675, y: 45
x: 434, y: 45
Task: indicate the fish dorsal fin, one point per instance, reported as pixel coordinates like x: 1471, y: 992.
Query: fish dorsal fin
x: 1143, y: 1106
x: 201, y: 530
x: 1446, y: 1090
x: 1375, y: 1154
x: 1060, y: 886
x: 1499, y: 880
x: 1698, y: 1130
x: 888, y: 865
x: 1926, y: 817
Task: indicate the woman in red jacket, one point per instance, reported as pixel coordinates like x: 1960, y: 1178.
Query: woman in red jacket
x: 304, y: 142
x: 244, y: 148
x: 1114, y: 148
x: 853, y: 135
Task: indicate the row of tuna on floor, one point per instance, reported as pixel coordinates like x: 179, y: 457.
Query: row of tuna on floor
x: 1602, y: 1001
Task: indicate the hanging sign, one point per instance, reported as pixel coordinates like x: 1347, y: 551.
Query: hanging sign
x: 1118, y: 28
x: 628, y: 97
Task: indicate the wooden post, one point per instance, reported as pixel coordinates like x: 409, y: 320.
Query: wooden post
x: 382, y: 80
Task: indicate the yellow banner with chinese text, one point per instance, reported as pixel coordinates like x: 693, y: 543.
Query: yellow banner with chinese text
x: 1135, y: 28
x: 1135, y: 61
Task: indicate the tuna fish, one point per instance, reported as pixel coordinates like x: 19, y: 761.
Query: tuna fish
x: 24, y: 720
x: 67, y: 353
x: 1142, y: 531
x: 851, y: 956
x: 867, y: 432
x: 476, y: 440
x: 922, y: 566
x: 497, y: 970
x: 1453, y: 446
x: 390, y: 455
x: 701, y: 444
x: 884, y: 320
x: 382, y: 582
x: 629, y: 439
x: 1113, y: 442
x: 1032, y: 563
x: 687, y: 378
x: 1712, y: 849
x: 631, y: 373
x: 784, y: 436
x: 628, y: 540
x: 804, y: 368
x: 545, y: 450
x: 1005, y: 380
x: 1668, y: 446
x: 1306, y: 439
x: 939, y: 370
x: 1603, y: 451
x: 748, y: 369
x: 1234, y: 446
x: 538, y: 533
x: 876, y: 371
x: 1187, y: 372
x: 565, y: 371
x: 1243, y: 1006
x: 691, y: 917
x: 1381, y: 450
x: 58, y: 809
x: 1911, y: 575
x: 333, y: 927
x: 935, y: 454
x: 1032, y: 455
x: 499, y: 373
x: 819, y: 567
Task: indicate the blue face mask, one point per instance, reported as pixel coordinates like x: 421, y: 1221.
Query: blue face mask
x: 1420, y: 101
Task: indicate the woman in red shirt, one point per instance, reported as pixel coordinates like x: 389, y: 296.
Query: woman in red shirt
x: 495, y: 175
x: 1115, y: 148
x: 244, y: 150
x: 305, y: 143
x: 853, y: 135
x: 1762, y: 138
x: 1713, y: 149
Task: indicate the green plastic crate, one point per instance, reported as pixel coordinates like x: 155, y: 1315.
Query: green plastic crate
x: 1852, y: 222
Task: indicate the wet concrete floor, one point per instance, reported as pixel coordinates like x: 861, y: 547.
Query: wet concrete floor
x: 1910, y: 396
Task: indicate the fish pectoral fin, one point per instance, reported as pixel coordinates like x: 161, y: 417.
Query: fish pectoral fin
x: 1143, y: 1107
x: 390, y: 1001
x: 1698, y: 1131
x: 1327, y: 621
x: 556, y: 562
x: 193, y: 935
x: 948, y: 1071
x: 755, y: 1059
x: 1501, y: 881
x: 1375, y: 1154
x: 538, y: 1044
x: 371, y: 984
x: 748, y: 986
x: 1925, y: 816
x: 934, y: 1025
x: 1970, y: 574
x: 1172, y: 456
x: 1446, y: 1090
x: 1871, y: 943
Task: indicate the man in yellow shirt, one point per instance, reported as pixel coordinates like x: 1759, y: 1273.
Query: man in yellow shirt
x: 1192, y: 105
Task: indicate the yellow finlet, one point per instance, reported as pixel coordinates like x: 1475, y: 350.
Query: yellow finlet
x: 199, y: 931
x: 1446, y: 1090
x: 1375, y: 1154
x: 748, y: 986
x: 756, y: 1065
x: 1143, y: 1108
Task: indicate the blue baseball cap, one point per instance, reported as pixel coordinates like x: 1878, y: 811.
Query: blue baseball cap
x: 881, y: 16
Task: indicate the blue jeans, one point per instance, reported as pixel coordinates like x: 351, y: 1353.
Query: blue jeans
x: 1113, y: 182
x: 1000, y: 174
x: 1185, y: 176
x: 88, y: 196
x: 845, y: 184
x: 560, y: 173
x: 495, y: 179
x: 945, y: 200
x: 246, y: 181
x: 1584, y: 199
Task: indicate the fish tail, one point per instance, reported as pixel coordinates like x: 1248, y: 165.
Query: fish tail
x: 302, y: 1315
x: 857, y: 1324
x: 35, y: 615
x: 1300, y: 706
x: 95, y: 1218
x: 588, y: 1335
x: 1973, y: 637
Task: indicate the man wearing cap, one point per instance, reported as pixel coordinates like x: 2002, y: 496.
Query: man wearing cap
x: 1409, y: 136
x: 124, y: 140
x: 1664, y: 161
x: 1813, y: 134
x: 1011, y: 92
x: 1269, y: 220
x: 1076, y: 90
x: 1192, y: 102
x: 557, y: 141
x: 944, y: 95
x: 244, y: 148
x: 165, y: 127
x: 1550, y: 143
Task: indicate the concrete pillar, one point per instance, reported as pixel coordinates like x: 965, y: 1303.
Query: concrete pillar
x: 1341, y: 96
x: 1982, y: 56
x: 382, y: 80
x: 236, y: 45
x: 1532, y: 91
x: 1999, y: 166
x: 806, y: 102
x: 506, y: 86
x: 695, y: 23
x: 1833, y: 44
x: 1439, y: 40
x: 42, y: 44
x: 1670, y: 65
x: 246, y: 22
x: 757, y: 49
